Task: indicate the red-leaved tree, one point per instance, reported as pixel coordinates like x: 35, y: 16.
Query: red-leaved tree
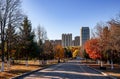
x: 93, y: 49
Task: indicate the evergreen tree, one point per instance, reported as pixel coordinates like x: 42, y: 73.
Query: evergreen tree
x: 27, y: 37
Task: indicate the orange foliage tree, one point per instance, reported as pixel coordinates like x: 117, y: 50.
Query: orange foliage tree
x: 59, y: 52
x: 93, y: 49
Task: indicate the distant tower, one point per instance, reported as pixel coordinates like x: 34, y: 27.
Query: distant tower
x: 66, y: 40
x: 77, y: 41
x: 85, y: 35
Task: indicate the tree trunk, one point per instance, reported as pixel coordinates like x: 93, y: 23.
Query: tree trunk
x: 86, y: 60
x: 2, y: 49
x: 40, y: 62
x: 2, y: 66
x: 8, y: 60
x: 101, y: 63
x: 8, y: 64
x: 112, y: 67
x: 98, y: 62
x: 108, y: 62
x: 26, y: 59
x: 27, y: 62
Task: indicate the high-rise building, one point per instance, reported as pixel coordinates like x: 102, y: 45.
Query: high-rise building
x: 66, y: 40
x: 85, y: 35
x: 77, y: 41
x: 73, y: 42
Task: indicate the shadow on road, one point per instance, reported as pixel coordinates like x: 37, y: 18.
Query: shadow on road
x: 69, y: 70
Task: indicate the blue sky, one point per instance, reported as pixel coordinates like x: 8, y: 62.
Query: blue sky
x: 68, y: 16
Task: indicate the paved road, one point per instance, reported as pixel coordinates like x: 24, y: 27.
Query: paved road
x: 69, y: 70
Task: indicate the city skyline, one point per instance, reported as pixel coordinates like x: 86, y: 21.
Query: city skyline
x: 66, y: 40
x: 68, y: 16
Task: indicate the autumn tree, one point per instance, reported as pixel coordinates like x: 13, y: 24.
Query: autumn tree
x: 72, y: 49
x: 10, y: 13
x: 85, y: 54
x: 76, y: 53
x: 114, y: 43
x: 103, y: 34
x: 108, y: 39
x: 59, y: 52
x: 11, y: 42
x: 92, y: 47
x: 68, y: 53
x: 115, y: 35
x: 48, y: 50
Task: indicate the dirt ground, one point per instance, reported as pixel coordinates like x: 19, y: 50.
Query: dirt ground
x: 20, y: 68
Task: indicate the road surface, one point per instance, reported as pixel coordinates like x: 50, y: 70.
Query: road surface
x: 70, y: 70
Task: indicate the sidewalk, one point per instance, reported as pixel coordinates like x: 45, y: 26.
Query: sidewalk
x: 114, y: 74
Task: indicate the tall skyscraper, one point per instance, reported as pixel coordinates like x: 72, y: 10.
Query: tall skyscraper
x: 66, y: 40
x: 85, y: 35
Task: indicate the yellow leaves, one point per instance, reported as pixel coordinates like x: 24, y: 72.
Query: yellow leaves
x: 59, y: 51
x: 76, y: 53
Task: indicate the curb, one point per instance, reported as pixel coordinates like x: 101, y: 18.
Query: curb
x: 111, y: 77
x: 28, y: 73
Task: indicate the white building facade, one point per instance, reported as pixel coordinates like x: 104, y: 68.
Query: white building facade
x: 66, y: 40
